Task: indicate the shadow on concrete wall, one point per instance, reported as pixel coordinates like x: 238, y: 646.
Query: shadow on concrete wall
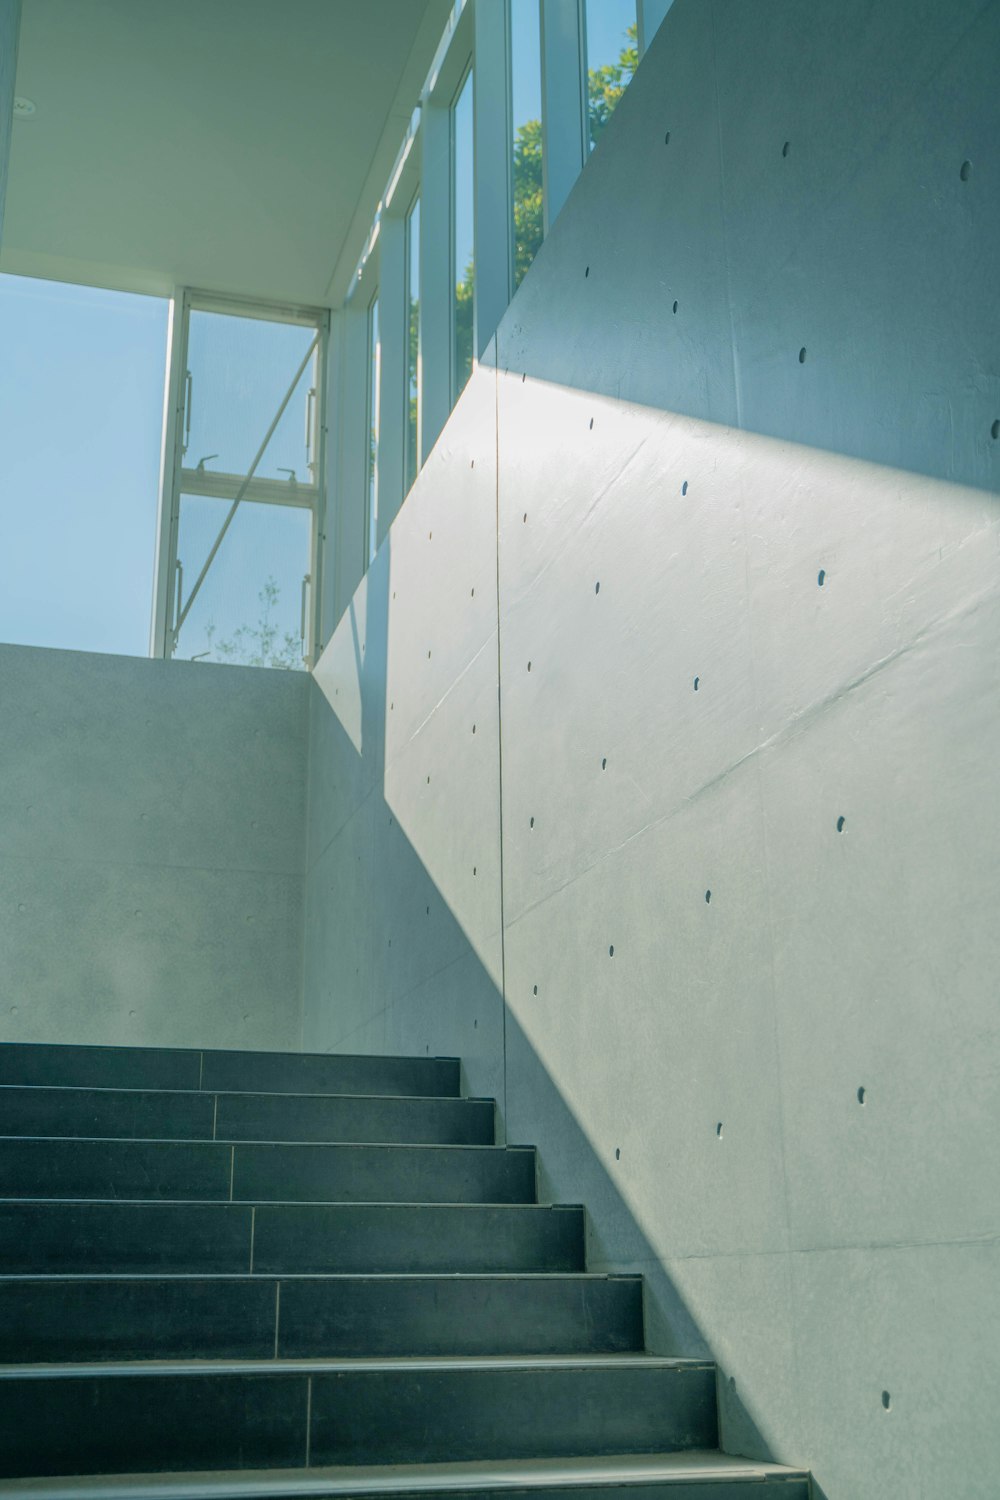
x: 618, y: 1243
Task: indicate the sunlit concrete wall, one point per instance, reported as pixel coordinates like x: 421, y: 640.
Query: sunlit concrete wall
x: 742, y: 446
x: 10, y: 23
x: 151, y: 838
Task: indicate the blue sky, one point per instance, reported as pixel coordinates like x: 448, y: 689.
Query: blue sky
x: 81, y: 409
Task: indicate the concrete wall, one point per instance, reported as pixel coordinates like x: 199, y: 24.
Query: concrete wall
x: 151, y: 837
x: 715, y: 914
x: 10, y: 25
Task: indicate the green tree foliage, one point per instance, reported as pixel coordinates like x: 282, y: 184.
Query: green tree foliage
x: 464, y: 293
x: 528, y: 221
x: 606, y: 85
x: 260, y: 645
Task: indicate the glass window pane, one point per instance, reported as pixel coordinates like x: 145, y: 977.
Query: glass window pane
x: 463, y: 245
x: 249, y: 609
x: 240, y: 369
x: 612, y: 58
x: 526, y: 95
x: 81, y: 420
x: 413, y: 343
x: 374, y: 385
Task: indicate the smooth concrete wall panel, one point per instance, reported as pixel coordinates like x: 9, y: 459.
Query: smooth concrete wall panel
x: 888, y: 927
x: 833, y: 269
x: 816, y: 542
x: 152, y: 956
x: 654, y: 1024
x: 10, y: 26
x: 629, y: 706
x: 456, y: 1012
x: 442, y: 559
x: 403, y: 858
x: 596, y: 314
x: 150, y: 762
x: 338, y: 933
x: 151, y: 851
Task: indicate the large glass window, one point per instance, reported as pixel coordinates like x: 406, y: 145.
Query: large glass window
x: 247, y: 491
x: 412, y: 342
x: 463, y: 236
x: 81, y: 413
x: 526, y: 115
x: 374, y: 387
x: 612, y: 58
x: 238, y: 373
x: 251, y: 610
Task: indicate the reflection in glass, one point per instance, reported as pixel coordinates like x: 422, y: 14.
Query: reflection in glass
x: 526, y: 97
x: 374, y: 383
x: 250, y: 608
x: 413, y: 342
x: 612, y: 58
x: 463, y: 244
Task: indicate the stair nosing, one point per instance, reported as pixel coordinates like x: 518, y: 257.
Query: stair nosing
x: 72, y: 1278
x: 467, y: 1364
x: 230, y: 1093
x: 156, y: 1140
x: 625, y: 1471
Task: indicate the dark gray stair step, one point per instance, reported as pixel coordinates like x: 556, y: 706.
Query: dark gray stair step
x: 272, y: 1239
x: 135, y: 1418
x: 217, y: 1172
x: 53, y: 1065
x: 189, y: 1115
x: 705, y: 1475
x: 345, y: 1317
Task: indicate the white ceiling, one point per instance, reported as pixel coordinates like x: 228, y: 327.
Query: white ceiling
x: 238, y: 145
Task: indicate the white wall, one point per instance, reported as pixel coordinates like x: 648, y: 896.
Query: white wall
x: 825, y: 1250
x: 10, y: 24
x: 151, y: 837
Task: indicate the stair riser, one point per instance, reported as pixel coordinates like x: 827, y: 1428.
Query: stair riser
x: 749, y: 1487
x: 109, y: 1238
x: 216, y: 1172
x: 122, y: 1424
x: 261, y: 1318
x: 109, y: 1114
x: 219, y: 1072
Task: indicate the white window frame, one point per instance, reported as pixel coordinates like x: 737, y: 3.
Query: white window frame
x: 177, y: 478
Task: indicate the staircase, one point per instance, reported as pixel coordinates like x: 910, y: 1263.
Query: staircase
x: 246, y: 1273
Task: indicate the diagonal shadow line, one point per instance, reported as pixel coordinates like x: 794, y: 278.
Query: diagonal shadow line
x: 411, y: 1001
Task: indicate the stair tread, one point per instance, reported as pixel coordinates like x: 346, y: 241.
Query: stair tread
x: 256, y: 1052
x: 463, y: 1363
x: 93, y: 1088
x: 159, y: 1140
x: 72, y: 1277
x: 568, y: 1473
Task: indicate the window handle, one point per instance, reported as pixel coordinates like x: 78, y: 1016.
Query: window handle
x: 178, y: 595
x: 310, y: 418
x: 302, y: 615
x: 188, y: 387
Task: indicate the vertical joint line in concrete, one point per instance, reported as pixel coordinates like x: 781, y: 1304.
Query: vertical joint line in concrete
x: 215, y: 1116
x: 309, y: 1407
x: 277, y: 1314
x: 253, y: 1224
x: 503, y: 936
x: 201, y: 1069
x: 232, y: 1170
